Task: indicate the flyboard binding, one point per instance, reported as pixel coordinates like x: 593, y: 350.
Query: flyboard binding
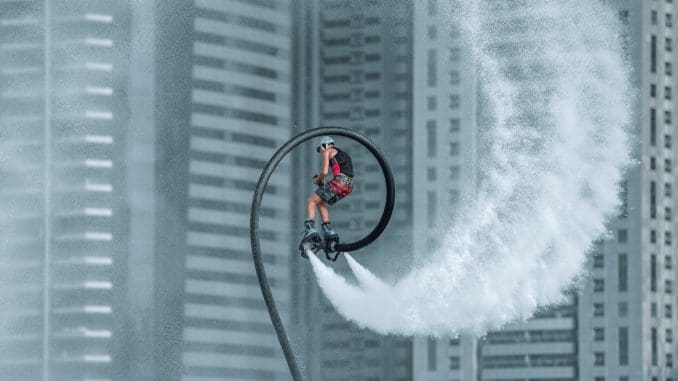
x: 315, y: 242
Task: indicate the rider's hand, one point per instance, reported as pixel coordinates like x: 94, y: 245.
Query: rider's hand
x: 318, y: 179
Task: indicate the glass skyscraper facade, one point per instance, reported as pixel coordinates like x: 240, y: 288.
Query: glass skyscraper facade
x: 63, y: 247
x: 240, y: 113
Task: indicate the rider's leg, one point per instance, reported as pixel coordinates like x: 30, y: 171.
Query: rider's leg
x: 311, y: 205
x: 310, y: 232
x: 325, y: 215
x: 324, y: 212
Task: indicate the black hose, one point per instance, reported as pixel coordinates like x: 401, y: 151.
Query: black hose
x: 254, y: 223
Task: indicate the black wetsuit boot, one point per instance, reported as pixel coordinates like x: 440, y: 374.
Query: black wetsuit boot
x: 310, y: 240
x: 328, y: 232
x: 330, y: 238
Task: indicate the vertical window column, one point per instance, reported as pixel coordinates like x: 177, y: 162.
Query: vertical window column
x: 623, y: 346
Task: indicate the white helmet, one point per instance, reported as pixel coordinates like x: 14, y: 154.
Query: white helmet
x: 324, y: 142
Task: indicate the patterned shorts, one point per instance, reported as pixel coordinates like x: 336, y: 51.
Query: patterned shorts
x: 336, y: 189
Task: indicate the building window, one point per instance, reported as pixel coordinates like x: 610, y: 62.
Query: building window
x: 653, y: 309
x: 653, y: 127
x: 374, y: 58
x: 454, y: 149
x: 667, y: 190
x: 431, y: 137
x: 598, y: 261
x: 653, y: 90
x: 667, y: 238
x: 622, y: 309
x: 432, y: 103
x: 454, y: 173
x: 454, y: 102
x: 454, y: 78
x: 653, y: 17
x: 598, y: 358
x: 432, y: 207
x: 669, y: 335
x: 667, y: 93
x: 653, y: 236
x: 667, y: 117
x: 598, y: 309
x: 432, y: 354
x: 455, y: 125
x: 668, y: 262
x: 667, y: 141
x: 653, y: 345
x: 669, y: 20
x: 653, y: 199
x: 668, y: 311
x: 622, y: 272
x: 653, y: 273
x: 668, y: 286
x: 624, y: 197
x: 668, y: 69
x: 455, y: 364
x: 621, y: 236
x: 431, y: 174
x: 667, y: 165
x: 432, y: 67
x: 653, y: 53
x: 667, y: 214
x: 623, y: 346
x: 599, y: 334
x: 669, y: 360
x: 668, y: 44
x: 598, y: 285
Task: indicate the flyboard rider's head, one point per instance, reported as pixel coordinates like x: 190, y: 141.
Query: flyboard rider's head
x: 325, y: 143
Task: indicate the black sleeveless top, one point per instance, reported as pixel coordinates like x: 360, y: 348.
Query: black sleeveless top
x: 341, y: 163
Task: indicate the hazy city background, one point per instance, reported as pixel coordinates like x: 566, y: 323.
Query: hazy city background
x: 132, y: 136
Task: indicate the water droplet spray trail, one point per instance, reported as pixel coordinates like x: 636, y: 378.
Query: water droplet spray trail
x: 560, y: 108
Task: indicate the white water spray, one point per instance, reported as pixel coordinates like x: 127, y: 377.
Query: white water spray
x: 560, y: 106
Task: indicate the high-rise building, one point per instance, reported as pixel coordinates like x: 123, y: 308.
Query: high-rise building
x: 545, y: 347
x: 542, y: 348
x: 63, y: 222
x: 219, y: 95
x: 620, y: 326
x: 444, y: 97
x: 626, y: 312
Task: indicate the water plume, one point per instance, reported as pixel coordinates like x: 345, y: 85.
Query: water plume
x: 558, y: 97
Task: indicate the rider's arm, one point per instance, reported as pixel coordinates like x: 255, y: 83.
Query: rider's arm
x: 326, y: 163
